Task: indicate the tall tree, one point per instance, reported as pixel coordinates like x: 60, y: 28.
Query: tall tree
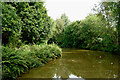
x: 65, y: 18
x: 111, y: 12
x: 28, y: 20
x: 59, y: 27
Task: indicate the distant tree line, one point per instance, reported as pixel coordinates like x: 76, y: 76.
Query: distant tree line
x: 99, y: 31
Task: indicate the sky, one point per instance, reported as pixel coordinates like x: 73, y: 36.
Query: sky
x: 74, y: 9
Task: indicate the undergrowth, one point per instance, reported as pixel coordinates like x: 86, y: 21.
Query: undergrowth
x: 17, y: 61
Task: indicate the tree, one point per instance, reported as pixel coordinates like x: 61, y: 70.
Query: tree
x: 62, y: 23
x: 11, y: 25
x: 36, y: 23
x: 111, y: 12
x: 59, y: 27
x: 28, y: 20
x: 65, y: 18
x: 90, y: 33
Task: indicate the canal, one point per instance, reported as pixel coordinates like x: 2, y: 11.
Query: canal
x: 76, y: 63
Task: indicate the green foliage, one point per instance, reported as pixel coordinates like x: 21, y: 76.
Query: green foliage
x: 11, y: 28
x: 68, y: 38
x: 65, y: 18
x: 111, y: 12
x: 36, y: 23
x: 25, y: 22
x: 91, y: 33
x: 58, y: 28
x: 17, y: 61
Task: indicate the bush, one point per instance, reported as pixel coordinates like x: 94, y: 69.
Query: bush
x: 17, y: 61
x: 26, y: 22
x: 90, y: 33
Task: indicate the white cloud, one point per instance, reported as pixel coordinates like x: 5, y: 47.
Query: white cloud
x: 74, y: 9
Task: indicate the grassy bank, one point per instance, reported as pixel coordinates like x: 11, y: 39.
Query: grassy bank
x: 17, y: 61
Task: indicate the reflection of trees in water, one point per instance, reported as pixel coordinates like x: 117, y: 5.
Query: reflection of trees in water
x: 95, y: 67
x: 61, y: 69
x: 45, y: 71
x: 80, y: 64
x: 119, y: 68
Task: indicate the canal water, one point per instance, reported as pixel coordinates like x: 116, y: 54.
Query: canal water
x: 76, y: 63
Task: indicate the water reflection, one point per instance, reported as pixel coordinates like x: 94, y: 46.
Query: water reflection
x: 73, y: 76
x: 70, y: 76
x: 78, y: 64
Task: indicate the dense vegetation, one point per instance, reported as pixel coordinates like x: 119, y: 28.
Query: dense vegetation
x: 99, y: 31
x: 29, y: 34
x: 26, y: 28
x: 25, y: 22
x: 90, y: 33
x: 17, y: 61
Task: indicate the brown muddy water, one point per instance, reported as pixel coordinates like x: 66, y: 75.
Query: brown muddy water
x: 76, y: 63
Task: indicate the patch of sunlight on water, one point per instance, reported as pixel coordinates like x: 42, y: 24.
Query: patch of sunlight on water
x: 78, y: 64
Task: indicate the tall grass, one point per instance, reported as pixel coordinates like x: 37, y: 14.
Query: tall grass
x: 17, y: 61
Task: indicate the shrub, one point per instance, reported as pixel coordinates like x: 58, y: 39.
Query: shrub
x: 17, y: 61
